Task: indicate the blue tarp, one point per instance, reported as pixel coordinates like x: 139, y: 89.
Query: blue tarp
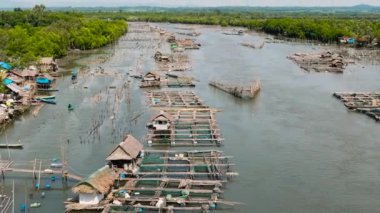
x: 7, y: 81
x: 42, y: 81
x: 350, y: 41
x: 5, y: 65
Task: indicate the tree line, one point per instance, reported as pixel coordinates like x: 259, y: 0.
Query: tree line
x: 320, y: 27
x: 25, y: 36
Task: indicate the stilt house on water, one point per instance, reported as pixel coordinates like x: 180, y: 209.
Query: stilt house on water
x: 125, y: 154
x: 162, y: 121
x: 47, y: 64
x: 151, y: 79
x: 93, y: 189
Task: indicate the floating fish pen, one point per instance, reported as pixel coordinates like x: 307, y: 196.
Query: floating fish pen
x: 183, y: 165
x: 189, y: 33
x: 184, y: 127
x: 180, y: 99
x: 155, y: 180
x: 238, y: 91
x: 366, y: 103
x: 320, y: 62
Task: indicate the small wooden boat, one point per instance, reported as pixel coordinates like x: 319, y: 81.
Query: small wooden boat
x: 11, y: 146
x: 47, y: 90
x: 45, y: 97
x: 56, y: 165
x: 70, y: 107
x: 48, y: 101
x: 35, y: 205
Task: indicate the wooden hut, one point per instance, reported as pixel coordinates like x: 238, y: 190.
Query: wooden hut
x: 152, y: 76
x: 29, y: 75
x: 44, y: 81
x: 125, y: 154
x: 48, y: 64
x: 162, y: 121
x: 93, y: 189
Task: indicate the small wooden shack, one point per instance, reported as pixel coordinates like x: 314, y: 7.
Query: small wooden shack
x: 152, y: 76
x: 47, y: 64
x: 162, y: 121
x: 126, y: 153
x: 158, y: 56
x: 93, y: 189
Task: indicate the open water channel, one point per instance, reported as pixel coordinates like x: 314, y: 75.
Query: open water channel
x: 296, y: 148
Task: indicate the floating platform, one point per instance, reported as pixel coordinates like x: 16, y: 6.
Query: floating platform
x: 181, y: 99
x: 185, y: 127
x: 366, y: 103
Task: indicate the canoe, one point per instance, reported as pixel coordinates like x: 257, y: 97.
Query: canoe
x: 45, y: 97
x: 11, y: 146
x: 35, y: 205
x: 48, y: 101
x: 56, y: 165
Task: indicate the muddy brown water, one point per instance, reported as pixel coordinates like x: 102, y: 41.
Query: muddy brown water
x: 297, y: 149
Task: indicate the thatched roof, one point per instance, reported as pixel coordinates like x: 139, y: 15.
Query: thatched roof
x: 47, y: 60
x: 99, y: 182
x: 29, y: 73
x: 154, y: 73
x: 126, y: 150
x: 162, y: 114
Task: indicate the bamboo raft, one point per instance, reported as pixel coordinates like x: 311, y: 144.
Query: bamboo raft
x: 238, y: 91
x: 366, y: 103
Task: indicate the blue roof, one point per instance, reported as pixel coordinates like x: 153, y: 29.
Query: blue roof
x: 42, y: 81
x: 5, y: 65
x: 7, y: 81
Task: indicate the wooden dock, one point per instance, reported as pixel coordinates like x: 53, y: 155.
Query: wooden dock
x: 10, y: 166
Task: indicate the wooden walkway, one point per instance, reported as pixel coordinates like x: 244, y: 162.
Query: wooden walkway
x: 6, y: 166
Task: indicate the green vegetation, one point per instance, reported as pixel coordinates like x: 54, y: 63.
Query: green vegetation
x: 27, y: 35
x: 316, y: 26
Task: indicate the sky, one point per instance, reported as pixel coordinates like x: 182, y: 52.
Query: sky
x: 183, y: 3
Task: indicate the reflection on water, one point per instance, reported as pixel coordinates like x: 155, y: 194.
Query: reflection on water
x: 296, y: 148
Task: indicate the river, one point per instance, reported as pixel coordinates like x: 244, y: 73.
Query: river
x: 296, y: 148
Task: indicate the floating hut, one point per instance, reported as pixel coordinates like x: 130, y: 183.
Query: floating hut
x: 151, y: 79
x: 125, y: 154
x: 93, y: 189
x: 161, y: 121
x: 184, y: 127
x: 159, y: 57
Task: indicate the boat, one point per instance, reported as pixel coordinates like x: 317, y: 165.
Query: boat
x: 11, y: 146
x: 74, y: 74
x: 47, y: 90
x: 35, y: 205
x: 171, y: 75
x: 56, y: 165
x: 48, y: 101
x: 70, y: 107
x: 45, y: 97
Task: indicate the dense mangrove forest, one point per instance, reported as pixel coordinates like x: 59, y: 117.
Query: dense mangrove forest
x: 26, y: 35
x: 315, y: 26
